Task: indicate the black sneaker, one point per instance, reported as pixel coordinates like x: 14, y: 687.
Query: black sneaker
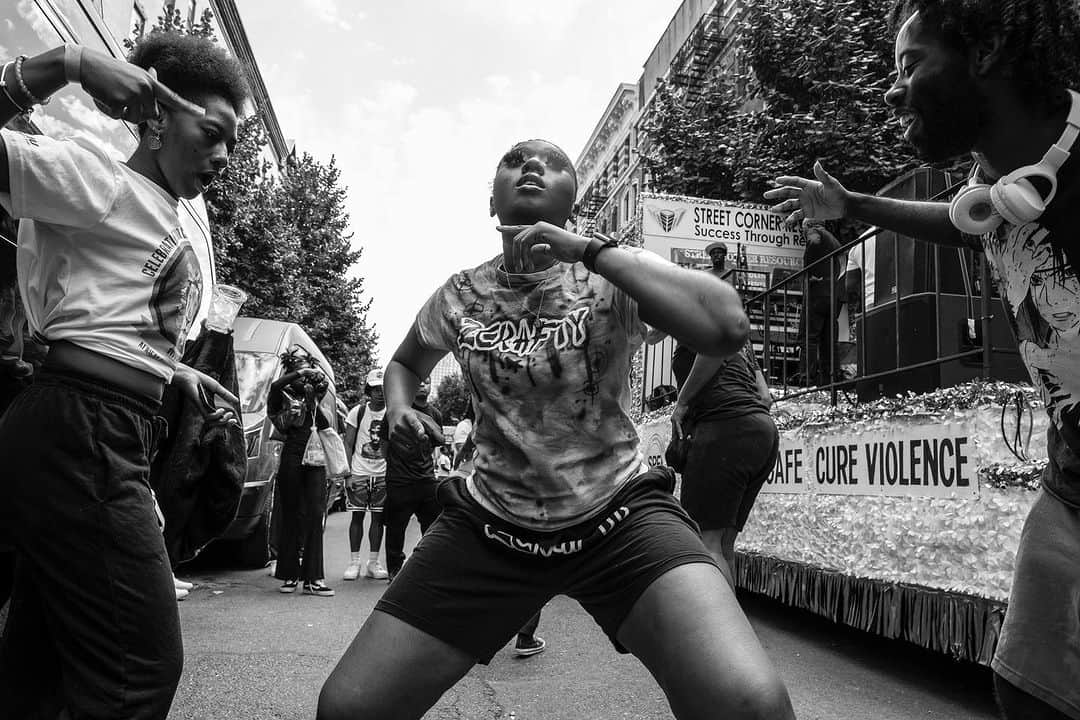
x: 317, y: 588
x: 288, y: 586
x: 527, y: 646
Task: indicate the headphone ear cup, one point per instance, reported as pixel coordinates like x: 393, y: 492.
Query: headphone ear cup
x: 972, y: 211
x: 1018, y: 202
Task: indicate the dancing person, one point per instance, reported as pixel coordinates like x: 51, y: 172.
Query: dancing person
x: 366, y: 489
x: 735, y: 443
x: 109, y: 280
x: 997, y: 79
x: 410, y: 481
x: 294, y: 404
x: 561, y: 500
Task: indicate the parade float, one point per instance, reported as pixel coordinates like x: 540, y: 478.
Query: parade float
x: 899, y: 517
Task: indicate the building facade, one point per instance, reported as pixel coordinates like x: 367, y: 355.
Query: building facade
x: 700, y: 40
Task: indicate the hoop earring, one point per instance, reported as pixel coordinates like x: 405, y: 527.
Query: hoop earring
x: 155, y: 139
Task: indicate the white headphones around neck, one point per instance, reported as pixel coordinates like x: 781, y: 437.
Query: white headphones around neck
x: 980, y: 208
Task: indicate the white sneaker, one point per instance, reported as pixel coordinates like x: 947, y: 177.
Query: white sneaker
x: 181, y: 584
x: 352, y: 571
x: 375, y: 570
x: 181, y: 593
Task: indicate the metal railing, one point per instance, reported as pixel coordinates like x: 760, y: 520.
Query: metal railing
x: 657, y: 361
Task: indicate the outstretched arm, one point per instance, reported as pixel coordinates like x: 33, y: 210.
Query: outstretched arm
x: 696, y: 308
x: 824, y: 198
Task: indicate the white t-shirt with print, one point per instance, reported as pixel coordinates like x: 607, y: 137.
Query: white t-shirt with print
x: 369, y: 455
x: 548, y: 355
x: 103, y: 261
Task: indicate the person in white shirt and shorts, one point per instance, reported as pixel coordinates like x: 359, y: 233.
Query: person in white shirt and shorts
x: 366, y: 489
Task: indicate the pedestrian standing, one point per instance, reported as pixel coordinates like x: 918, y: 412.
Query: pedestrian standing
x: 561, y: 500
x: 410, y: 481
x: 110, y: 282
x: 723, y: 404
x: 997, y: 80
x: 365, y: 491
x: 294, y: 405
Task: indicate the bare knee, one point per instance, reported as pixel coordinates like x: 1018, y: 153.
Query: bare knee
x: 340, y: 702
x: 765, y: 699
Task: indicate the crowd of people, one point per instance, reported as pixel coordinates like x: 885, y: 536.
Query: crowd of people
x: 552, y: 495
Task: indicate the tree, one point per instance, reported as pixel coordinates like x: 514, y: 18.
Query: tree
x: 312, y: 202
x: 815, y: 73
x: 453, y: 396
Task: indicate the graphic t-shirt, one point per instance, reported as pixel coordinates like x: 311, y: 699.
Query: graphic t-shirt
x: 369, y: 457
x: 1038, y: 267
x: 547, y: 357
x: 103, y: 261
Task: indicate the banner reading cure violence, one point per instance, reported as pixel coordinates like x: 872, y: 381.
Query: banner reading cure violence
x: 926, y: 461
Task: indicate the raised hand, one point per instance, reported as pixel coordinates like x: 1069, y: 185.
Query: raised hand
x: 821, y: 199
x: 533, y: 244
x: 123, y: 90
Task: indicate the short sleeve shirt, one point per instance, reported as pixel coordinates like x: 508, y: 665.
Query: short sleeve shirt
x: 369, y: 456
x: 103, y: 261
x: 547, y: 356
x: 1038, y: 267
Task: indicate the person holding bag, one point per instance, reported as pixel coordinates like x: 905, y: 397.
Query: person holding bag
x: 293, y: 404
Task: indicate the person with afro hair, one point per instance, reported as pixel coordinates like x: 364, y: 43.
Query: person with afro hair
x: 111, y: 283
x: 998, y: 79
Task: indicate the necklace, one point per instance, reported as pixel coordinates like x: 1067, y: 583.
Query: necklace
x: 520, y: 297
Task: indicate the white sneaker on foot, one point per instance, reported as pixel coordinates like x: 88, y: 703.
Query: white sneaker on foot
x: 375, y: 570
x: 181, y: 593
x: 181, y: 584
x: 352, y: 572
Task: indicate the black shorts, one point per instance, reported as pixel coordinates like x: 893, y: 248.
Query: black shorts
x: 474, y: 580
x: 728, y: 463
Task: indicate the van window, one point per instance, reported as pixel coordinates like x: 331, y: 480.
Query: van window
x: 254, y: 373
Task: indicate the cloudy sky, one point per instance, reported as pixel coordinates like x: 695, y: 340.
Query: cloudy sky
x: 418, y: 99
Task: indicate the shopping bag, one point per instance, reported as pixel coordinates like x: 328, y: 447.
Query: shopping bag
x: 336, y: 459
x: 314, y: 455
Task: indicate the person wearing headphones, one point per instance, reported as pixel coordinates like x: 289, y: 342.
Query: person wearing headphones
x: 994, y: 79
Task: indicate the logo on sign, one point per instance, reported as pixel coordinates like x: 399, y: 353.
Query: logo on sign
x: 667, y: 219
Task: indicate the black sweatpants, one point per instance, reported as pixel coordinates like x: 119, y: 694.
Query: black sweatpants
x: 93, y: 624
x: 403, y: 500
x: 302, y: 491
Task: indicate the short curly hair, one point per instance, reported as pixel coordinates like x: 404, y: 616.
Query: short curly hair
x: 1041, y: 38
x: 192, y: 66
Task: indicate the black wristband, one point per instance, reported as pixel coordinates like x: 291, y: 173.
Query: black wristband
x: 594, y: 248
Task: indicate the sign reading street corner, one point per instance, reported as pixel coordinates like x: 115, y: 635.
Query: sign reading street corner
x: 927, y: 461
x: 680, y: 228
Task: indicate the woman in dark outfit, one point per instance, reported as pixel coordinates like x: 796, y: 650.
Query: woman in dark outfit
x: 302, y: 488
x: 734, y: 447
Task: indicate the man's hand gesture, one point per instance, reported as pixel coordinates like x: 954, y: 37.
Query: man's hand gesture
x: 821, y: 199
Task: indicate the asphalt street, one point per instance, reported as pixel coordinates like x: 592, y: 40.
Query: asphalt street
x: 252, y: 652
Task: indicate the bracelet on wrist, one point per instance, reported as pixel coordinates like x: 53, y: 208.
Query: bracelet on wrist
x: 4, y: 86
x: 593, y: 249
x: 22, y: 84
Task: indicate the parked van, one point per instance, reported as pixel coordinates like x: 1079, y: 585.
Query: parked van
x: 259, y: 345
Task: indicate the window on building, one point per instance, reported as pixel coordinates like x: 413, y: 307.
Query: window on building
x: 615, y: 218
x: 626, y: 205
x: 191, y: 12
